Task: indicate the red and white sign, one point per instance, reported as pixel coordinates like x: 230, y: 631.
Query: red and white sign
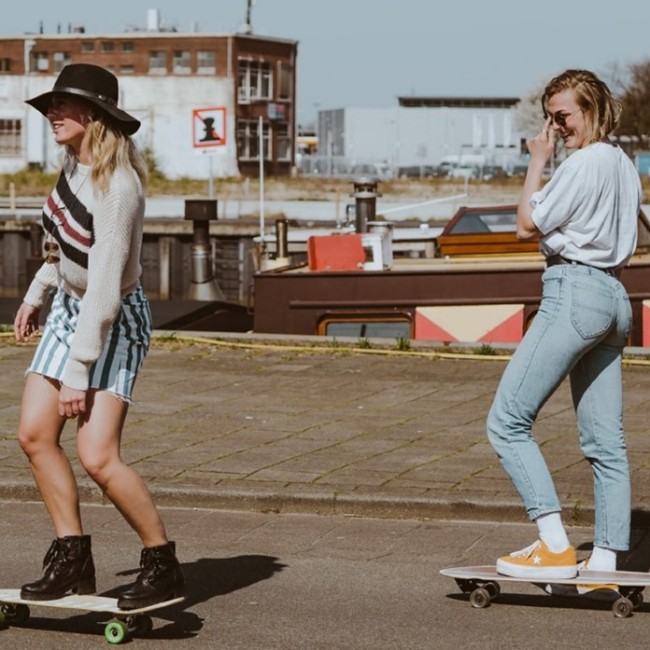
x: 208, y: 127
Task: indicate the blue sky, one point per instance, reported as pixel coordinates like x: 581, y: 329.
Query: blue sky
x: 368, y: 52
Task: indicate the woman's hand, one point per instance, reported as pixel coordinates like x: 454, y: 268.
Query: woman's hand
x: 72, y: 402
x: 26, y: 322
x: 542, y: 146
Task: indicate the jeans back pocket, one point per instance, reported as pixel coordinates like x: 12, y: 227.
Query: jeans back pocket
x: 593, y: 306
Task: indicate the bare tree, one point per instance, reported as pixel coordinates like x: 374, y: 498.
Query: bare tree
x: 635, y: 119
x: 528, y: 115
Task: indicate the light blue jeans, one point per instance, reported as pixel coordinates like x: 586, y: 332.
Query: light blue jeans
x: 580, y: 330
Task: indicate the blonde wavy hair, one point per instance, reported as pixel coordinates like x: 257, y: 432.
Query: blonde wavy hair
x: 601, y: 109
x: 110, y: 149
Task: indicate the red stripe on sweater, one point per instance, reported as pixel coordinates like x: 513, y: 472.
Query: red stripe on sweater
x: 67, y: 228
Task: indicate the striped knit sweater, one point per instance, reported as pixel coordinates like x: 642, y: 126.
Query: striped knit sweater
x: 99, y: 235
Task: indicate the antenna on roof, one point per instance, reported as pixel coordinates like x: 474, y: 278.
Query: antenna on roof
x: 247, y: 26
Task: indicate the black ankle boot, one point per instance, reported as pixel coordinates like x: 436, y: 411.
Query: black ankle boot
x: 68, y: 566
x: 160, y: 579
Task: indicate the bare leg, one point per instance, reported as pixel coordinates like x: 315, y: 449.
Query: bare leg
x: 98, y: 444
x: 39, y: 434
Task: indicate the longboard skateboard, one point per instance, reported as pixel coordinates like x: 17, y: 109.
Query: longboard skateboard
x: 127, y: 623
x: 482, y: 585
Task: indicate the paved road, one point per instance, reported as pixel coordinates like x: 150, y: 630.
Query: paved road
x: 289, y: 428
x: 260, y: 581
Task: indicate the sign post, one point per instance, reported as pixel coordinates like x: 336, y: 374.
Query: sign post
x: 208, y: 134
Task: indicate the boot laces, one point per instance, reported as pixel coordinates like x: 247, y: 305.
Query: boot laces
x: 51, y: 553
x: 149, y: 567
x: 57, y: 557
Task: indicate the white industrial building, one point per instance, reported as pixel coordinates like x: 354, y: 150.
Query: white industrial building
x: 421, y: 131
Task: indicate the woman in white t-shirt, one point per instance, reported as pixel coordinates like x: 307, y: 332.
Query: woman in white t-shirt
x: 585, y: 218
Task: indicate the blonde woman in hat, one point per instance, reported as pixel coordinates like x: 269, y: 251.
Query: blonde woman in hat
x: 95, y: 339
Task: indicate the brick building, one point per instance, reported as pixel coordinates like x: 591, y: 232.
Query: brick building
x: 167, y: 80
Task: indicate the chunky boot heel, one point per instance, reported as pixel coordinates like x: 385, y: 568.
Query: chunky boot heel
x: 86, y: 587
x: 68, y: 566
x: 161, y: 578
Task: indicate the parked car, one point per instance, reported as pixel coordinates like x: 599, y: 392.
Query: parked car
x: 489, y: 172
x: 465, y: 171
x: 419, y: 171
x: 379, y: 170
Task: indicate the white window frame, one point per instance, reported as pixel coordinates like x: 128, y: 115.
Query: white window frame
x: 60, y: 59
x: 248, y: 140
x: 156, y: 57
x: 255, y: 81
x: 284, y: 80
x: 203, y: 65
x: 11, y: 137
x: 283, y: 140
x: 181, y: 62
x: 40, y: 62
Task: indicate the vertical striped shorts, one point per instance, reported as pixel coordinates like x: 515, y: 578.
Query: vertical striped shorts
x: 126, y: 346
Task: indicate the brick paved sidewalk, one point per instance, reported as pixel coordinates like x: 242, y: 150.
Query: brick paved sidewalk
x: 293, y: 429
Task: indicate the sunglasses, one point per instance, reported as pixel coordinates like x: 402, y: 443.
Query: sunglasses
x: 560, y: 118
x: 51, y: 249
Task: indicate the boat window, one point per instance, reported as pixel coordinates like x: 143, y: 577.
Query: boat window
x: 476, y: 222
x: 391, y: 326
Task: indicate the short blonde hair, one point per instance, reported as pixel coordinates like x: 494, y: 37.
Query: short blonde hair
x: 595, y: 99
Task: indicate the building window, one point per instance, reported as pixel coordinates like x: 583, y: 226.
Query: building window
x: 5, y: 65
x: 265, y: 81
x: 248, y: 140
x: 87, y: 47
x: 284, y: 80
x: 127, y: 46
x: 283, y: 141
x: 255, y: 81
x: 60, y: 59
x: 39, y: 62
x: 108, y: 46
x: 206, y: 62
x: 10, y: 137
x: 181, y: 63
x: 127, y: 69
x: 157, y: 62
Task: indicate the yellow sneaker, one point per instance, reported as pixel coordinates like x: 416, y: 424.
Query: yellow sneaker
x: 606, y: 592
x: 538, y: 562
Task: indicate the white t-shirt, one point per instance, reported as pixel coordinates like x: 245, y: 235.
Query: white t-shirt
x: 588, y: 211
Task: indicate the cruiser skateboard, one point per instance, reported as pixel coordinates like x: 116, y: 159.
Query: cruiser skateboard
x: 127, y: 623
x: 482, y: 585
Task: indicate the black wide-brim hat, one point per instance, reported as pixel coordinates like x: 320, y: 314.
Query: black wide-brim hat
x: 94, y: 84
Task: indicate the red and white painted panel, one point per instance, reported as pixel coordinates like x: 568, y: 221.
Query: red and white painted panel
x: 470, y: 323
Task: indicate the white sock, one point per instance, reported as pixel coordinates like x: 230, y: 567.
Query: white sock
x: 552, y: 533
x: 602, y: 559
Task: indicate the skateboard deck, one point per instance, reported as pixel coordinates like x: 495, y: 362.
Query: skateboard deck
x: 127, y: 623
x: 482, y: 585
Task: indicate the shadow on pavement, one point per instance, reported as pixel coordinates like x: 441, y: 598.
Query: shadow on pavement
x: 206, y: 578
